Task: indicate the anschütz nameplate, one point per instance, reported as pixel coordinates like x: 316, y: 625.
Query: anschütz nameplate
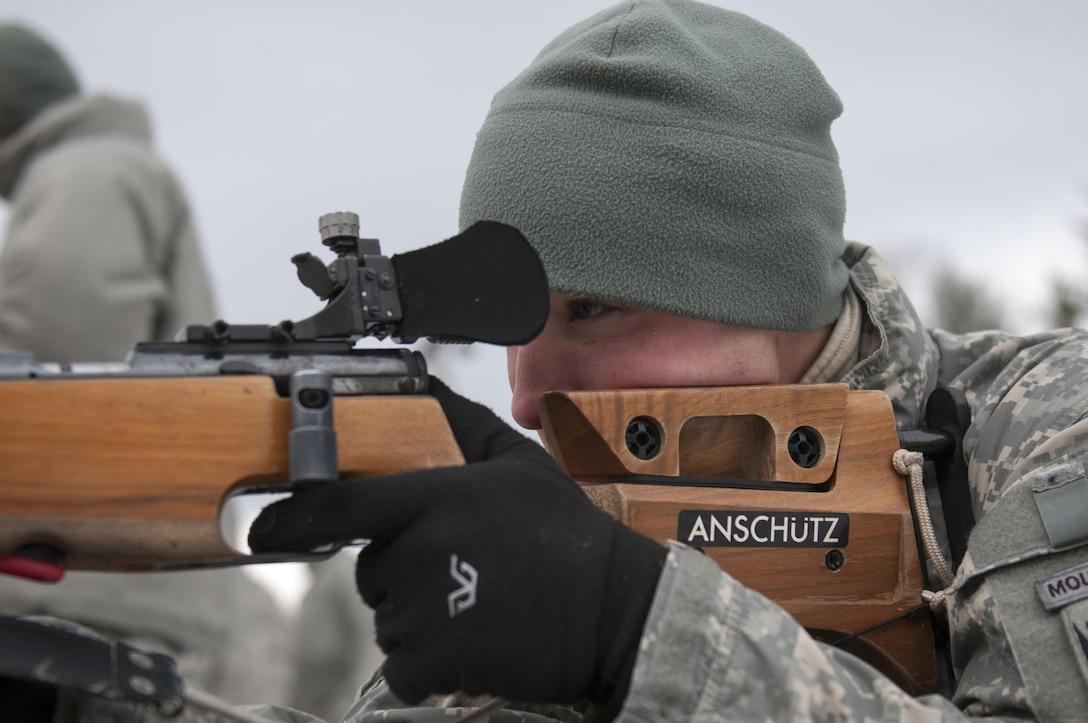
x: 753, y: 528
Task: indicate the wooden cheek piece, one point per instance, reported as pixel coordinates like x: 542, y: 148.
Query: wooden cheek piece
x: 743, y: 433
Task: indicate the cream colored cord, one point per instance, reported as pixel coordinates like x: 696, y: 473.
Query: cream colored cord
x: 909, y: 464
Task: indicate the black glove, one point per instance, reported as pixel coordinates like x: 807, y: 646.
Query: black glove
x: 498, y: 577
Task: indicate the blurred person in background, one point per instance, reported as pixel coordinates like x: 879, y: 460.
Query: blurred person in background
x: 100, y: 250
x: 100, y: 253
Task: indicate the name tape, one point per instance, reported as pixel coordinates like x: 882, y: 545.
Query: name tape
x: 1063, y: 588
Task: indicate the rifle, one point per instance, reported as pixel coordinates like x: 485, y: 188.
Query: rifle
x: 127, y: 466
x: 791, y: 489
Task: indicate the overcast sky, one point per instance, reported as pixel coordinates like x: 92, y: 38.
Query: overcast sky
x: 962, y: 141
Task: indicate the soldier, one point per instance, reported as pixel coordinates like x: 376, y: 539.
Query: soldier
x: 672, y: 164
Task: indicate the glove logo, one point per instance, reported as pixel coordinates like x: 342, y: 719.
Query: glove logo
x: 464, y: 575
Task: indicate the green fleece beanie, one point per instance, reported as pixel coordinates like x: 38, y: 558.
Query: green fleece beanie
x: 676, y: 156
x: 33, y: 75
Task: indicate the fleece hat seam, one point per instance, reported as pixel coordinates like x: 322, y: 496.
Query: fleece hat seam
x: 733, y: 132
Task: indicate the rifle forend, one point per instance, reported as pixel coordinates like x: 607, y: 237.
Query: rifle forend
x: 126, y: 466
x: 790, y: 489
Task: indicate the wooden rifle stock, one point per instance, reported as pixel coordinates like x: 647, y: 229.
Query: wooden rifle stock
x: 790, y: 489
x: 132, y: 473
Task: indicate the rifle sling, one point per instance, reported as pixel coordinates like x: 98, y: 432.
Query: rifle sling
x: 45, y: 652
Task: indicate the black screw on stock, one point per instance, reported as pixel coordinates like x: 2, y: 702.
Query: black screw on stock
x: 643, y: 437
x: 804, y: 447
x: 834, y: 560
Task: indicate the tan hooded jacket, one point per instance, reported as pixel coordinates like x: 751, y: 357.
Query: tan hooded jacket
x: 100, y: 250
x: 100, y: 254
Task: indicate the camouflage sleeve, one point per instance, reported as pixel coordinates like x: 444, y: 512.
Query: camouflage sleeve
x: 1019, y: 607
x: 378, y: 704
x: 715, y: 650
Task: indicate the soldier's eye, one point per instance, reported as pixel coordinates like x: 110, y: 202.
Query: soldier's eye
x: 587, y: 308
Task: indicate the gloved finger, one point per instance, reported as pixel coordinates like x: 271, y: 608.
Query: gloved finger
x: 481, y: 434
x: 381, y: 575
x: 369, y: 508
x: 410, y: 581
x: 311, y: 517
x: 410, y: 602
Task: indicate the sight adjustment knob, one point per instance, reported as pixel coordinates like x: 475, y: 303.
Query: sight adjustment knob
x: 338, y: 224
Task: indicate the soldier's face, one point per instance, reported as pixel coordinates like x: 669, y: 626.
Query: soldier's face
x: 589, y: 344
